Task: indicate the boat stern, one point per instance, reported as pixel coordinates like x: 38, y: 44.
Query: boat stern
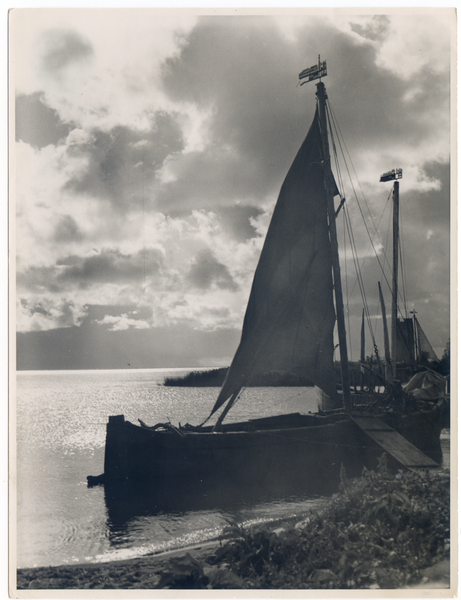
x: 116, y: 455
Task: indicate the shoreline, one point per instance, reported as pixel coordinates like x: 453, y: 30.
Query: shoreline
x: 146, y: 572
x: 198, y: 548
x: 407, y: 547
x: 99, y: 575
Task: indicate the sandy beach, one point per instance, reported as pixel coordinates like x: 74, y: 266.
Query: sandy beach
x: 146, y: 573
x: 139, y: 573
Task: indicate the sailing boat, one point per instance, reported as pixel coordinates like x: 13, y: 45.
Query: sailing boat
x: 295, y: 300
x: 410, y: 347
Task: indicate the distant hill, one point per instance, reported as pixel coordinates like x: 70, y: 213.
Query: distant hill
x: 215, y: 378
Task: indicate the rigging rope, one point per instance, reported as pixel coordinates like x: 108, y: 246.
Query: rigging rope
x: 347, y: 288
x: 362, y: 286
x: 402, y: 266
x: 340, y: 186
x: 347, y: 222
x: 358, y: 266
x: 340, y: 137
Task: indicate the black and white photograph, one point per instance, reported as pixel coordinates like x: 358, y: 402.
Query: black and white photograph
x: 231, y: 300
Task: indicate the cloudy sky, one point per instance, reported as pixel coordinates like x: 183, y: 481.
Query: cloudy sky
x: 150, y: 149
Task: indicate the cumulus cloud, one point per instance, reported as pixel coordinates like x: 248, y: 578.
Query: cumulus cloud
x: 60, y: 48
x: 413, y: 43
x: 63, y: 56
x: 148, y: 164
x: 121, y: 164
x: 108, y: 266
x: 375, y: 28
x: 67, y: 229
x: 252, y: 136
x: 36, y: 123
x: 45, y: 314
x: 123, y: 322
x: 206, y: 270
x: 169, y: 274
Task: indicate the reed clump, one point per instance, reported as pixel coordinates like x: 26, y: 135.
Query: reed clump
x: 215, y: 378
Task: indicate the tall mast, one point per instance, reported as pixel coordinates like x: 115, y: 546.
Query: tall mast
x: 362, y: 350
x: 388, y: 367
x: 317, y: 72
x: 390, y: 176
x: 395, y: 276
x: 416, y: 352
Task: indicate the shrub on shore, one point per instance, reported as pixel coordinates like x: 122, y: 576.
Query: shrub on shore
x: 212, y: 378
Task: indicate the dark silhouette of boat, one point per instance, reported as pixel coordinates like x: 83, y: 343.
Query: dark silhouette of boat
x: 294, y: 304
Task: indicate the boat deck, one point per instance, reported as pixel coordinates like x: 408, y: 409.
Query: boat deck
x: 392, y: 442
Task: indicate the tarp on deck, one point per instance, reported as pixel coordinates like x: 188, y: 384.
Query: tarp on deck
x: 427, y: 385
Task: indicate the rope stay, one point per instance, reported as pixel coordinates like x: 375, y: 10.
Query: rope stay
x: 348, y: 227
x: 402, y: 266
x: 382, y: 262
x: 340, y: 137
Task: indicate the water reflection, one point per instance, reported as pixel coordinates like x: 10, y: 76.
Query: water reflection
x: 165, y: 509
x: 129, y: 501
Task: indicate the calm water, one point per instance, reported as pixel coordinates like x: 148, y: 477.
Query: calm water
x: 61, y: 421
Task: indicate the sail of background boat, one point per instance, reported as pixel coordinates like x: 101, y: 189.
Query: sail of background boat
x: 413, y: 346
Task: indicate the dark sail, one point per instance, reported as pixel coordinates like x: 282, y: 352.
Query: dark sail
x: 406, y: 349
x: 413, y: 347
x: 426, y: 354
x: 290, y: 316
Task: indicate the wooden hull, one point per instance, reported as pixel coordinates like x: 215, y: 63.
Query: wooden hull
x: 274, y: 454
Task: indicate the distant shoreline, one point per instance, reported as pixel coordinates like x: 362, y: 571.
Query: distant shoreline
x: 215, y: 378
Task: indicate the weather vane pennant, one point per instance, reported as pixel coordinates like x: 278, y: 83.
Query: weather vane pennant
x: 316, y: 72
x: 391, y: 175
